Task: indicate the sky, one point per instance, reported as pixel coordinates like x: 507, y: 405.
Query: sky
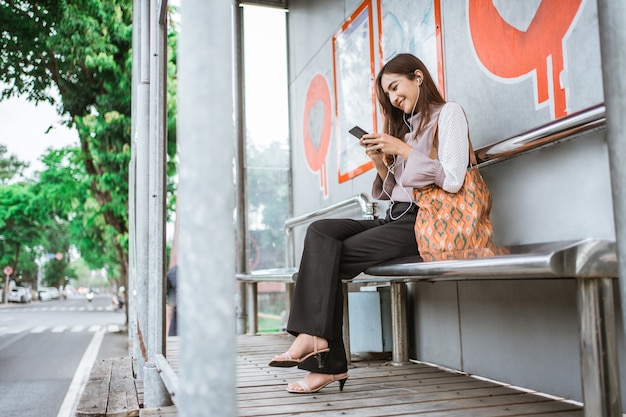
x: 23, y: 127
x: 23, y: 124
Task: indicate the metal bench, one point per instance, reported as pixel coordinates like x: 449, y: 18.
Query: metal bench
x: 591, y: 262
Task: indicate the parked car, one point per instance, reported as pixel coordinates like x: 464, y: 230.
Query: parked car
x: 54, y: 292
x: 19, y: 295
x: 48, y: 293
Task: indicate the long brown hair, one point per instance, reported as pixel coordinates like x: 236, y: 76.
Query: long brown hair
x: 406, y: 64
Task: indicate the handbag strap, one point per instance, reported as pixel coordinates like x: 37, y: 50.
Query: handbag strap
x: 434, y: 149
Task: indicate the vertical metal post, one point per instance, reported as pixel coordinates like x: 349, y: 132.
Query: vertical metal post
x: 346, y: 322
x: 400, y: 354
x: 240, y: 168
x: 252, y: 306
x: 132, y: 185
x: 155, y: 393
x: 140, y: 293
x: 611, y: 22
x: 598, y: 348
x: 206, y: 269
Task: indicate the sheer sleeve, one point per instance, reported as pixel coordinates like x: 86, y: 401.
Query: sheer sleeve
x: 453, y: 149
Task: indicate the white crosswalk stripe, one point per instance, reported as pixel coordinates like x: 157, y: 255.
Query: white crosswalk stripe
x: 109, y: 328
x: 16, y: 330
x: 38, y: 329
x: 57, y: 308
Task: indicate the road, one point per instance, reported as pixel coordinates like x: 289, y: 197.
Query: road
x: 45, y: 348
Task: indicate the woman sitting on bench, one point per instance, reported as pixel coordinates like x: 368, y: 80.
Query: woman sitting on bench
x: 338, y: 249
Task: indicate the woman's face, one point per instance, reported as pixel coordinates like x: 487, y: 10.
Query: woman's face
x: 402, y: 91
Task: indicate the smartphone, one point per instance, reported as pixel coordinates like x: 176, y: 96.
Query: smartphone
x: 357, y: 132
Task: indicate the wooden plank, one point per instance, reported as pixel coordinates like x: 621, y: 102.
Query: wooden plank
x: 93, y: 401
x: 159, y: 412
x: 123, y: 401
x: 374, y: 389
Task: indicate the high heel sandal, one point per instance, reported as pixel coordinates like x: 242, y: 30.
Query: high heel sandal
x: 290, y: 361
x: 342, y: 378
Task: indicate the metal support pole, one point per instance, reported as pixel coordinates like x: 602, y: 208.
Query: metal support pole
x: 346, y: 322
x: 611, y: 22
x: 240, y: 168
x: 400, y: 354
x: 598, y: 348
x: 156, y: 394
x: 206, y: 269
x: 142, y: 201
x: 132, y: 188
x: 252, y: 306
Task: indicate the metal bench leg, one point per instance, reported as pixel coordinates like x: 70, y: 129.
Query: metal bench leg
x: 598, y: 348
x: 400, y: 354
x: 289, y: 289
x: 242, y: 314
x: 253, y: 308
x: 346, y: 323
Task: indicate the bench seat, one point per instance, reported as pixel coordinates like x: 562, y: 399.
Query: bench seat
x: 592, y: 262
x: 286, y: 275
x: 587, y: 258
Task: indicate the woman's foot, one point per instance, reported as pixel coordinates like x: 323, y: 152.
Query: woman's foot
x: 304, y: 347
x: 314, y: 382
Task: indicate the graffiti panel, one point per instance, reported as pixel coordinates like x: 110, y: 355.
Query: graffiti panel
x: 355, y: 101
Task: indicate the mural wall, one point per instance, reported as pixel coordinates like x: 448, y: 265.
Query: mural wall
x: 544, y: 54
x: 513, y: 66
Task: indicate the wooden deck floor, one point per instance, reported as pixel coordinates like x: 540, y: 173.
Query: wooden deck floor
x: 374, y: 389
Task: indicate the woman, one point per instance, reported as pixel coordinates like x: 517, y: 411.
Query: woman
x: 338, y: 249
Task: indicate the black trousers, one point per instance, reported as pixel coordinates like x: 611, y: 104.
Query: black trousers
x: 336, y: 249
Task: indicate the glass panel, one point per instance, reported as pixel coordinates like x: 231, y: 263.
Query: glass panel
x: 267, y: 153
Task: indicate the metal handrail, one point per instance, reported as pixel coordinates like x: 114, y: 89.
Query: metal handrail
x: 549, y: 134
x: 368, y: 211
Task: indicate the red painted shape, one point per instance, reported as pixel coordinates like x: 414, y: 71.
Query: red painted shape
x: 508, y: 52
x: 318, y: 93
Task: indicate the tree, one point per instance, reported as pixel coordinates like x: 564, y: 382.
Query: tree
x: 20, y: 228
x: 10, y: 166
x: 82, y: 48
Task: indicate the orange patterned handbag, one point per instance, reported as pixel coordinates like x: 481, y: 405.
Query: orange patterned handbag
x: 455, y: 225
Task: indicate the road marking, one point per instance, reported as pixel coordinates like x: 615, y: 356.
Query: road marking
x: 81, y: 376
x: 108, y: 328
x: 113, y: 328
x: 16, y: 330
x: 38, y: 329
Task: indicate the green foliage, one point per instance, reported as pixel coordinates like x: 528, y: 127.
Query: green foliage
x: 20, y: 227
x: 10, y: 166
x: 82, y: 49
